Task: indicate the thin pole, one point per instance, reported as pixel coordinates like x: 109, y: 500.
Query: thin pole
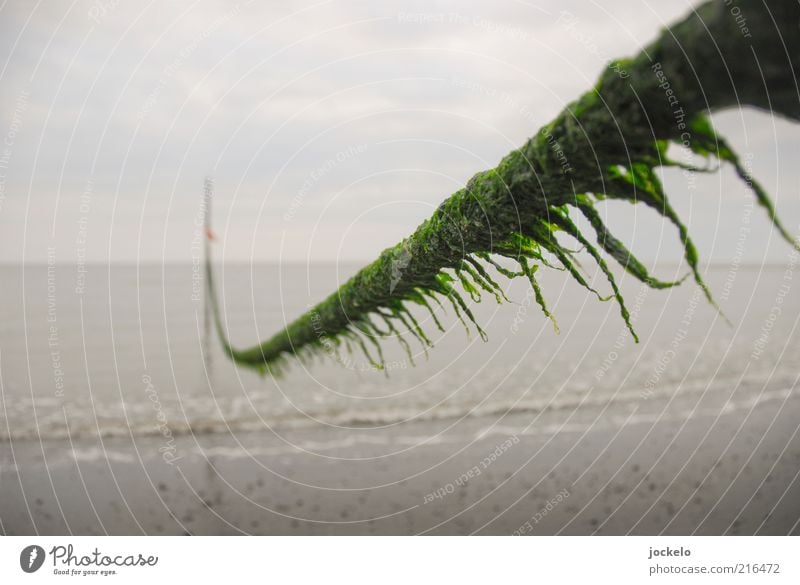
x: 208, y: 189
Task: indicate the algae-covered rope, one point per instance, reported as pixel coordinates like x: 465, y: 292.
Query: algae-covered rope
x: 614, y: 138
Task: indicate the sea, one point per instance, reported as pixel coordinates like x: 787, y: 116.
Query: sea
x: 124, y: 349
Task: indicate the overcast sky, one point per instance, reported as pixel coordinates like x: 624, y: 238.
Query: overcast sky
x: 331, y: 129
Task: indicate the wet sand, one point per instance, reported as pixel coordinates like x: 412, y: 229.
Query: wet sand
x: 725, y: 462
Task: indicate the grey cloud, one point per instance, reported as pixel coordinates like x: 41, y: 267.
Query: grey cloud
x: 141, y: 102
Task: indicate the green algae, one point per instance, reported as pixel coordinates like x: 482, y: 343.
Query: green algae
x: 608, y: 144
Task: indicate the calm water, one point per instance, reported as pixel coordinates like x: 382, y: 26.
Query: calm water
x: 120, y: 350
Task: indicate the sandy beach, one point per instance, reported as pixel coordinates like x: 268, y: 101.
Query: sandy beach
x: 692, y: 431
x: 705, y: 462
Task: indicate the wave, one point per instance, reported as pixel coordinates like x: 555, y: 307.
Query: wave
x: 82, y: 453
x: 54, y: 427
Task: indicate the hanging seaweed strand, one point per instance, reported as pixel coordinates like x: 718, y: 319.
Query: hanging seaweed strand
x: 614, y: 138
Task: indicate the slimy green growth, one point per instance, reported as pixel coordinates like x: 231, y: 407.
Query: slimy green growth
x: 608, y: 144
